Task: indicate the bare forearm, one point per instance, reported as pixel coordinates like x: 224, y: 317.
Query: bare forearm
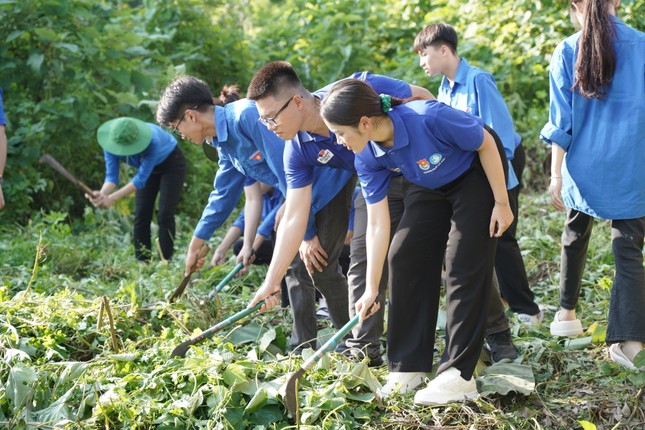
x: 557, y: 155
x: 492, y: 164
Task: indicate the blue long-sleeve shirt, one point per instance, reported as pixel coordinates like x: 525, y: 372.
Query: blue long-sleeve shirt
x: 248, y: 148
x: 603, y: 139
x: 474, y: 91
x: 271, y: 202
x: 3, y: 119
x: 161, y: 145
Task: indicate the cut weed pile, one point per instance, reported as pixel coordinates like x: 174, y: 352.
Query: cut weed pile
x: 63, y: 364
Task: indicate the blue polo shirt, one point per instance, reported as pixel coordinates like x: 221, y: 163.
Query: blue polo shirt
x: 161, y: 145
x: 271, y: 202
x: 248, y: 148
x: 433, y: 145
x: 3, y: 119
x: 307, y: 150
x: 474, y: 91
x: 604, y: 139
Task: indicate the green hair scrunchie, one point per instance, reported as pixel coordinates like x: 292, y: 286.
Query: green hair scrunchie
x: 386, y: 102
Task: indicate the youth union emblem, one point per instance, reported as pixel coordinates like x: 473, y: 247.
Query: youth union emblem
x: 423, y: 164
x: 435, y: 158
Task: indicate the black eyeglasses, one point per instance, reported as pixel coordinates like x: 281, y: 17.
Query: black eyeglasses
x: 175, y: 129
x: 271, y: 121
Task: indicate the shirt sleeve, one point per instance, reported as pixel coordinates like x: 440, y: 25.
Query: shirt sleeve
x: 111, y: 168
x: 227, y: 190
x: 374, y: 179
x: 494, y: 112
x: 559, y: 128
x: 298, y: 172
x: 386, y: 85
x: 148, y: 163
x: 3, y: 119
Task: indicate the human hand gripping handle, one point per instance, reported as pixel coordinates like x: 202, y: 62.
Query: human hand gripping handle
x: 367, y: 305
x: 270, y: 295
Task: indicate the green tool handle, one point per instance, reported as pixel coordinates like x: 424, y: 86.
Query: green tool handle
x: 226, y: 322
x: 224, y: 281
x: 331, y: 343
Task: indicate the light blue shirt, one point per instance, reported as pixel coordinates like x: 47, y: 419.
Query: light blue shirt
x: 474, y: 91
x: 161, y: 145
x: 248, y: 148
x: 3, y: 119
x: 434, y: 144
x: 604, y: 139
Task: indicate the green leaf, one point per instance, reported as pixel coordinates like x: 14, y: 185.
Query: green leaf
x: 258, y: 400
x: 586, y: 425
x: 46, y: 34
x: 129, y: 357
x: 233, y: 375
x: 503, y: 378
x: 598, y: 333
x: 21, y: 379
x: 639, y: 360
x: 35, y: 61
x: 578, y: 343
x: 266, y: 339
x: 57, y: 410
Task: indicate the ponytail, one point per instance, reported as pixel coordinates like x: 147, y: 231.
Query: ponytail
x: 351, y: 99
x: 229, y: 93
x: 596, y: 61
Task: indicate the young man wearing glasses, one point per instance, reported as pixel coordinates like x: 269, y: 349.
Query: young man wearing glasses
x: 247, y: 148
x: 310, y: 144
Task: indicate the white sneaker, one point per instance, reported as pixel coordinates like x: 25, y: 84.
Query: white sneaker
x: 447, y: 387
x: 565, y: 328
x: 402, y: 382
x: 531, y: 320
x: 617, y: 354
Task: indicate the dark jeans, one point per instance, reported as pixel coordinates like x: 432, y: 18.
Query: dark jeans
x: 167, y: 181
x: 626, y: 317
x: 451, y: 221
x: 509, y: 265
x: 331, y: 222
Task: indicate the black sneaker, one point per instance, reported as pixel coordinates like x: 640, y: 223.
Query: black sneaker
x: 500, y: 345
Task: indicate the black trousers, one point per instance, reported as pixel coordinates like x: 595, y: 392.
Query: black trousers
x: 452, y: 221
x: 167, y: 181
x: 509, y: 265
x: 626, y: 320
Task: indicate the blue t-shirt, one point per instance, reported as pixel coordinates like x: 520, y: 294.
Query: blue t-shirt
x: 307, y: 150
x: 433, y: 145
x: 3, y: 119
x: 161, y: 145
x: 271, y: 202
x: 248, y: 148
x: 604, y: 139
x: 474, y: 91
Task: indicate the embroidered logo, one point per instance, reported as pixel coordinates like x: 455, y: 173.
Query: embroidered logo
x: 423, y: 164
x: 257, y: 156
x: 324, y: 156
x: 436, y: 158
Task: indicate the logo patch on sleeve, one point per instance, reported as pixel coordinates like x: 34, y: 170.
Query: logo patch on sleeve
x: 324, y: 156
x: 257, y: 156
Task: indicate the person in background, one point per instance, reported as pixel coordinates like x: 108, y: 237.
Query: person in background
x: 456, y: 205
x: 161, y: 169
x: 3, y: 148
x: 473, y: 90
x: 596, y: 130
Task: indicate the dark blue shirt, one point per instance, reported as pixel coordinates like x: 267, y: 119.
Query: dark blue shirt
x: 433, y: 145
x: 307, y: 150
x: 3, y: 119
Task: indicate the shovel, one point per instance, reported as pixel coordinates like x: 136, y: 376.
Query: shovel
x: 63, y: 171
x: 182, y: 286
x: 223, y: 282
x: 291, y: 393
x: 181, y: 349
